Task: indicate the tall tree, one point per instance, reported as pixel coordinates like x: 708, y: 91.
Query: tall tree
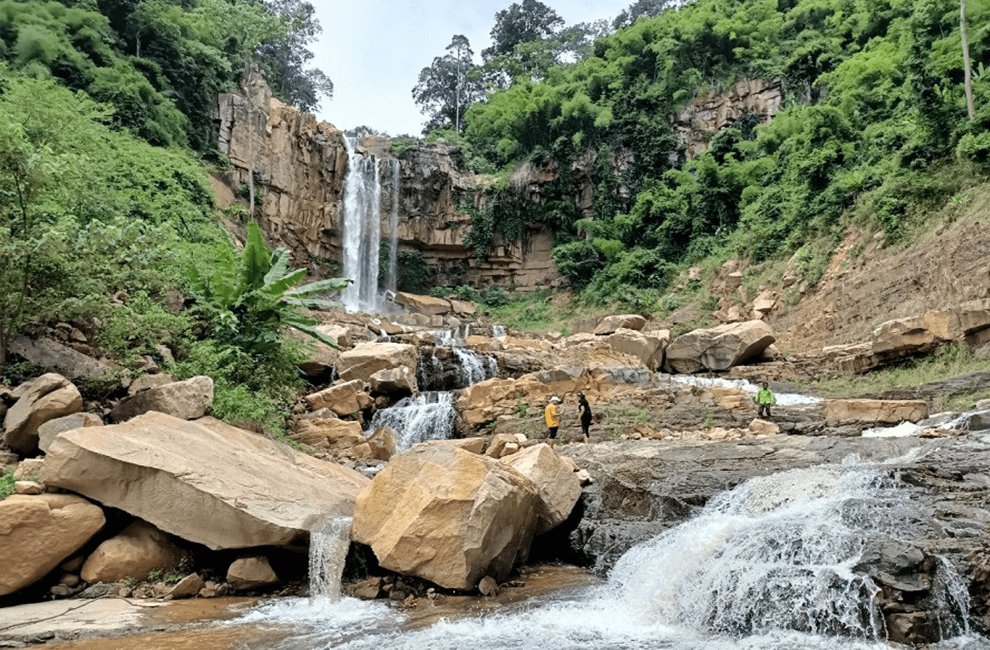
x: 522, y: 22
x: 640, y: 9
x: 285, y: 59
x: 449, y: 85
x: 967, y: 70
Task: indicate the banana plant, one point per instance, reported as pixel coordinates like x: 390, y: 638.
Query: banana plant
x: 251, y: 295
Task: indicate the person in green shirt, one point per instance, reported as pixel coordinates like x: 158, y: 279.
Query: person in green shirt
x: 764, y: 399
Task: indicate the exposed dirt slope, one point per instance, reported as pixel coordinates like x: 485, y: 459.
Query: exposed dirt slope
x: 860, y: 291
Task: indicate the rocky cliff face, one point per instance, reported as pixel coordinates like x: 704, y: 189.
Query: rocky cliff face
x: 297, y: 166
x: 708, y: 114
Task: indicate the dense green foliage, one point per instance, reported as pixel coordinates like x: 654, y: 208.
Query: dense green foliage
x: 160, y: 63
x: 873, y: 109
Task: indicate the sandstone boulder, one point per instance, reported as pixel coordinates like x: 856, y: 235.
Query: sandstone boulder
x: 874, y: 411
x: 613, y: 323
x: 463, y: 307
x: 205, y: 481
x: 251, y: 573
x: 383, y: 443
x: 343, y: 399
x: 426, y: 305
x: 29, y: 468
x: 559, y: 488
x: 718, y: 348
x: 393, y: 380
x: 328, y: 433
x: 320, y: 358
x: 188, y: 400
x: 448, y: 516
x: 43, y: 399
x: 50, y: 429
x: 39, y: 532
x: 187, y: 587
x: 367, y: 359
x: 475, y: 445
x: 763, y: 428
x: 648, y: 348
x: 497, y: 447
x: 28, y: 487
x: 147, y: 382
x: 133, y: 553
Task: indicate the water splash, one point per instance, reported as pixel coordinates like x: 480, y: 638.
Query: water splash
x: 361, y: 225
x: 783, y: 399
x: 450, y: 364
x: 327, y: 551
x: 427, y: 416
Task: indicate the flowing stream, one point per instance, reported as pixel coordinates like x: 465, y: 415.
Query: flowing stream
x: 427, y: 416
x: 769, y: 565
x: 327, y: 552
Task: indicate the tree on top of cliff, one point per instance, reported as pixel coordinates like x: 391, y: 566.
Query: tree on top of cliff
x: 448, y: 86
x: 285, y: 59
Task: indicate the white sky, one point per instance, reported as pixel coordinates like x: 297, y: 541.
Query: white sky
x: 373, y: 51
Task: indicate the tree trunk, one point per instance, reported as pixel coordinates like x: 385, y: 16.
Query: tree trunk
x: 966, y: 67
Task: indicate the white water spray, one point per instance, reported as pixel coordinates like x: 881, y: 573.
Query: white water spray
x: 361, y: 225
x: 327, y: 552
x: 427, y: 416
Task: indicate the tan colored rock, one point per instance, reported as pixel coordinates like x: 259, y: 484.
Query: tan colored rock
x: 28, y: 487
x: 383, y: 443
x: 764, y: 428
x: 205, y: 481
x: 39, y: 532
x: 487, y: 586
x: 365, y: 360
x: 555, y: 481
x: 874, y: 411
x: 45, y: 398
x: 344, y: 398
x: 648, y: 348
x: 718, y: 348
x: 50, y: 429
x: 147, y: 382
x: 29, y: 468
x: 320, y: 357
x: 448, y: 516
x: 426, y: 305
x: 764, y: 304
x: 579, y: 339
x: 509, y: 449
x: 188, y: 587
x: 133, y: 553
x: 393, y: 380
x: 46, y: 353
x: 328, y: 433
x: 187, y: 400
x: 611, y: 324
x: 463, y: 307
x: 497, y: 446
x: 475, y: 445
x: 251, y: 573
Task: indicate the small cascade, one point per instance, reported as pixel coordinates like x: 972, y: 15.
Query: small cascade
x: 327, y: 552
x: 450, y: 364
x: 780, y: 553
x: 361, y: 225
x: 783, y: 399
x: 427, y: 416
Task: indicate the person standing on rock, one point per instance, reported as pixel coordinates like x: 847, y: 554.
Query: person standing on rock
x: 552, y: 415
x: 764, y: 399
x: 584, y: 410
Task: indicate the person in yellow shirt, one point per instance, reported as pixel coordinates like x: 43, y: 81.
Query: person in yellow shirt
x: 552, y: 415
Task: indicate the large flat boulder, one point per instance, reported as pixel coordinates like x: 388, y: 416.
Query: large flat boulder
x: 718, y: 348
x: 426, y: 305
x: 557, y: 484
x: 42, y: 399
x: 614, y: 323
x: 38, y: 532
x: 343, y: 399
x: 365, y: 360
x: 447, y: 515
x: 647, y: 347
x: 205, y: 481
x: 188, y: 400
x: 874, y: 411
x: 134, y: 552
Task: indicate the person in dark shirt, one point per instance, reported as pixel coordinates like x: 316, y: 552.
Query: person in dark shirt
x: 584, y: 410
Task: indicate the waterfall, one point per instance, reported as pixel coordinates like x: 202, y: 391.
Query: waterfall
x: 768, y: 565
x: 427, y: 416
x: 327, y: 551
x: 450, y: 364
x: 392, y: 279
x: 361, y: 224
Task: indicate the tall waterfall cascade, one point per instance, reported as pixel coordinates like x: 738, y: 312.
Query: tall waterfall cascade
x: 361, y: 210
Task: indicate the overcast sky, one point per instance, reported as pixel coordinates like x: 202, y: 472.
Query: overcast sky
x: 373, y: 51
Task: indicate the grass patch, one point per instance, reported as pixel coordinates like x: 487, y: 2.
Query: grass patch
x: 949, y: 361
x: 7, y: 483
